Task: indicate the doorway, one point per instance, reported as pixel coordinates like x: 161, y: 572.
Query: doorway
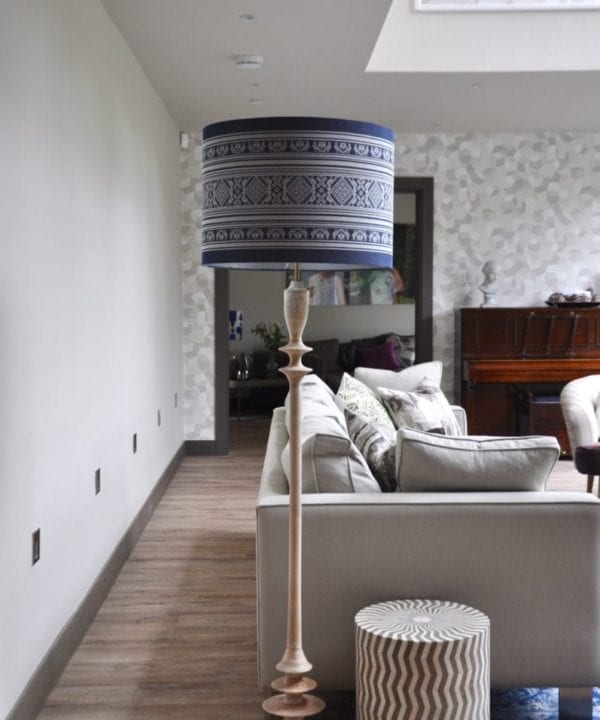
x: 422, y: 188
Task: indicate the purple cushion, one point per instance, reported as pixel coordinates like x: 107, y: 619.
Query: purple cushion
x: 382, y: 357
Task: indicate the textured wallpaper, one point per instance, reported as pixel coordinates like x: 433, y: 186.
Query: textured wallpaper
x: 198, y: 307
x: 531, y: 203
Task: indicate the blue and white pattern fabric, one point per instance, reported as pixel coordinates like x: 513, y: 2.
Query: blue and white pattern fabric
x: 531, y: 704
x: 316, y: 191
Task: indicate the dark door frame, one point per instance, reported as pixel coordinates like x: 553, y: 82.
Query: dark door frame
x: 422, y: 187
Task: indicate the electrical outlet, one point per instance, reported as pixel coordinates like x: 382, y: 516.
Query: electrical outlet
x: 97, y: 483
x: 134, y: 443
x: 176, y: 400
x: 35, y: 546
x: 158, y: 418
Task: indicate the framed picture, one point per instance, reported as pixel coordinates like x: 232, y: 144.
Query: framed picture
x: 369, y: 287
x: 236, y: 324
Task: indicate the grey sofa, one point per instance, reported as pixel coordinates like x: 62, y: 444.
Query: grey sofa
x: 529, y: 560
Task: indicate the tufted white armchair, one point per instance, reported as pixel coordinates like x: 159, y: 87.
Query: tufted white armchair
x: 580, y: 405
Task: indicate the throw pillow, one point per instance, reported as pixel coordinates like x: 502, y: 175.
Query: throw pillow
x: 435, y: 463
x: 330, y: 461
x: 424, y: 409
x: 407, y: 379
x: 375, y: 447
x: 356, y: 396
x: 380, y: 356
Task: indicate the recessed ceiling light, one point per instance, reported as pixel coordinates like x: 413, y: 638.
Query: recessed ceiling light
x: 438, y: 126
x: 247, y: 16
x: 253, y: 84
x: 249, y: 62
x: 476, y: 86
x: 255, y: 101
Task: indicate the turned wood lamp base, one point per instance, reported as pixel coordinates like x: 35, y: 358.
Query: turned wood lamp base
x: 293, y: 700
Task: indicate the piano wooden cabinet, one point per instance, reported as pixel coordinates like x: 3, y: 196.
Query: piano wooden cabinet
x: 515, y: 361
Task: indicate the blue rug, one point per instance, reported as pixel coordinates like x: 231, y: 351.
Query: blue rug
x: 531, y: 704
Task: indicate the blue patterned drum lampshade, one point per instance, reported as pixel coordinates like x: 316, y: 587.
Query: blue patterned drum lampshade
x: 283, y: 190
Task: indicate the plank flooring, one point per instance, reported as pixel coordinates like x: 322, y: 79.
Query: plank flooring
x: 175, y: 638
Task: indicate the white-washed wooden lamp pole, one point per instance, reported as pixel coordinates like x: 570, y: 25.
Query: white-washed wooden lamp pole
x: 296, y: 192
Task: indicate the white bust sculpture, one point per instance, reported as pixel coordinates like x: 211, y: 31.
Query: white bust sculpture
x: 488, y: 287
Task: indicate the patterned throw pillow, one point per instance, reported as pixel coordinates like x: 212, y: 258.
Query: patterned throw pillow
x: 424, y: 409
x: 356, y: 396
x: 375, y: 447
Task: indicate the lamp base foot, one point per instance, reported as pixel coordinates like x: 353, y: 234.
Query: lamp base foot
x: 297, y: 706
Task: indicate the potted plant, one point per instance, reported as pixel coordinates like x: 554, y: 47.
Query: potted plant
x: 273, y: 338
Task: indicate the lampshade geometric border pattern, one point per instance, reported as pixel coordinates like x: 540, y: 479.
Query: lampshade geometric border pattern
x: 297, y: 190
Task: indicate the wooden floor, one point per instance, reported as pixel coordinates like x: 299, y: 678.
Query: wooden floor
x: 175, y: 638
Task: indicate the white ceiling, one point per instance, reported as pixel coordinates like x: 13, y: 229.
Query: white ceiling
x: 315, y: 55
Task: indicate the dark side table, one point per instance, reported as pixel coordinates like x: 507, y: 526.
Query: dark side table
x: 236, y: 387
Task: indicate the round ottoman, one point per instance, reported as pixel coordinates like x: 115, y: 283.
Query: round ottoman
x: 420, y: 659
x: 587, y: 461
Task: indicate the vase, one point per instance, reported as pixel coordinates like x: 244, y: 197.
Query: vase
x: 272, y: 367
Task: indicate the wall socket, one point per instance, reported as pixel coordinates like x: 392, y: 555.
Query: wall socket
x: 158, y: 418
x: 35, y: 546
x: 134, y: 443
x: 97, y: 482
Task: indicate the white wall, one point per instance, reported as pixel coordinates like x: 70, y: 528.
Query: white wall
x: 90, y: 310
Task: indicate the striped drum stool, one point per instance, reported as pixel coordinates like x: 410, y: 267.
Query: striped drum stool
x: 422, y: 659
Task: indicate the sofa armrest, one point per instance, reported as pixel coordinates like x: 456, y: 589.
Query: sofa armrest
x: 461, y: 417
x: 578, y: 403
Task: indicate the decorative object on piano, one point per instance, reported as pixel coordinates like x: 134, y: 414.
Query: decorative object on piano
x: 574, y: 298
x: 488, y: 287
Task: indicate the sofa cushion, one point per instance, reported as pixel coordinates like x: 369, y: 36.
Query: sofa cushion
x: 426, y: 462
x: 408, y: 379
x: 356, y: 396
x: 330, y: 461
x: 377, y: 449
x: 380, y: 356
x: 426, y: 408
x: 317, y: 399
x: 327, y: 351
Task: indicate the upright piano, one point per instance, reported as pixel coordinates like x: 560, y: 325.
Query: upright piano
x: 515, y: 361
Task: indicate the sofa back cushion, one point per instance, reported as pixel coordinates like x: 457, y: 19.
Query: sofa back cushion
x: 427, y: 462
x: 330, y: 461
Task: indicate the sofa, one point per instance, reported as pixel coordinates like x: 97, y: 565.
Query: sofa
x: 529, y: 559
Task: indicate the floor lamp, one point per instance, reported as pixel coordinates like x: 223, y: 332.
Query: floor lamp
x: 284, y: 193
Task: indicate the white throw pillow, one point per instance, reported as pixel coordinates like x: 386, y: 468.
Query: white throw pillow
x: 426, y: 408
x: 407, y: 379
x: 427, y: 462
